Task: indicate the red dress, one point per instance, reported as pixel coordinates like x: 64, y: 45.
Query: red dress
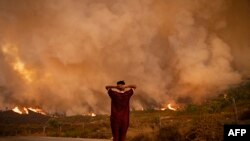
x: 119, y: 118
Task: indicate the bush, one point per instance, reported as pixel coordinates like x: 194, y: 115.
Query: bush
x: 245, y: 115
x: 169, y: 133
x: 54, y: 123
x: 206, y: 127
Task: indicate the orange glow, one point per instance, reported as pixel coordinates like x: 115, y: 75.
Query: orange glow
x: 163, y: 109
x: 16, y: 109
x: 11, y: 52
x: 89, y: 114
x: 37, y: 110
x: 171, y: 108
x: 93, y: 114
x: 168, y: 106
x: 20, y: 111
x: 25, y: 110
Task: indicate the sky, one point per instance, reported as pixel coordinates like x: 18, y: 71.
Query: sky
x: 60, y: 54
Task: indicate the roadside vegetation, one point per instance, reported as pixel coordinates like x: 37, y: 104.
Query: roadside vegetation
x: 190, y: 123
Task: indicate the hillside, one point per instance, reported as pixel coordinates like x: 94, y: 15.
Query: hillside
x: 193, y: 122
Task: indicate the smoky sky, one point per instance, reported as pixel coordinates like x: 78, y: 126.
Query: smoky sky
x: 60, y: 54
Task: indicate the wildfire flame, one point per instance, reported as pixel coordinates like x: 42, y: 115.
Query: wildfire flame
x: 93, y: 114
x: 171, y: 108
x: 11, y: 52
x: 163, y: 109
x: 37, y: 110
x: 89, y: 114
x: 20, y: 111
x: 25, y: 110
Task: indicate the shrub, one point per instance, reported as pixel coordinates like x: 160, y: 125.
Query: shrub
x: 169, y: 133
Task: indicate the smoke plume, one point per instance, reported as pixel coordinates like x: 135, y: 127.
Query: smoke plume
x: 60, y: 54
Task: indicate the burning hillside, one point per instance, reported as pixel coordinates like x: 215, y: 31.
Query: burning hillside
x: 13, y: 117
x: 25, y: 110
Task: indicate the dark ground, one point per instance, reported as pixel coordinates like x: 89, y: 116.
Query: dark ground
x: 47, y: 139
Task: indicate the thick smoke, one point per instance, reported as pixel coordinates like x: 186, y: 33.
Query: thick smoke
x: 60, y: 54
